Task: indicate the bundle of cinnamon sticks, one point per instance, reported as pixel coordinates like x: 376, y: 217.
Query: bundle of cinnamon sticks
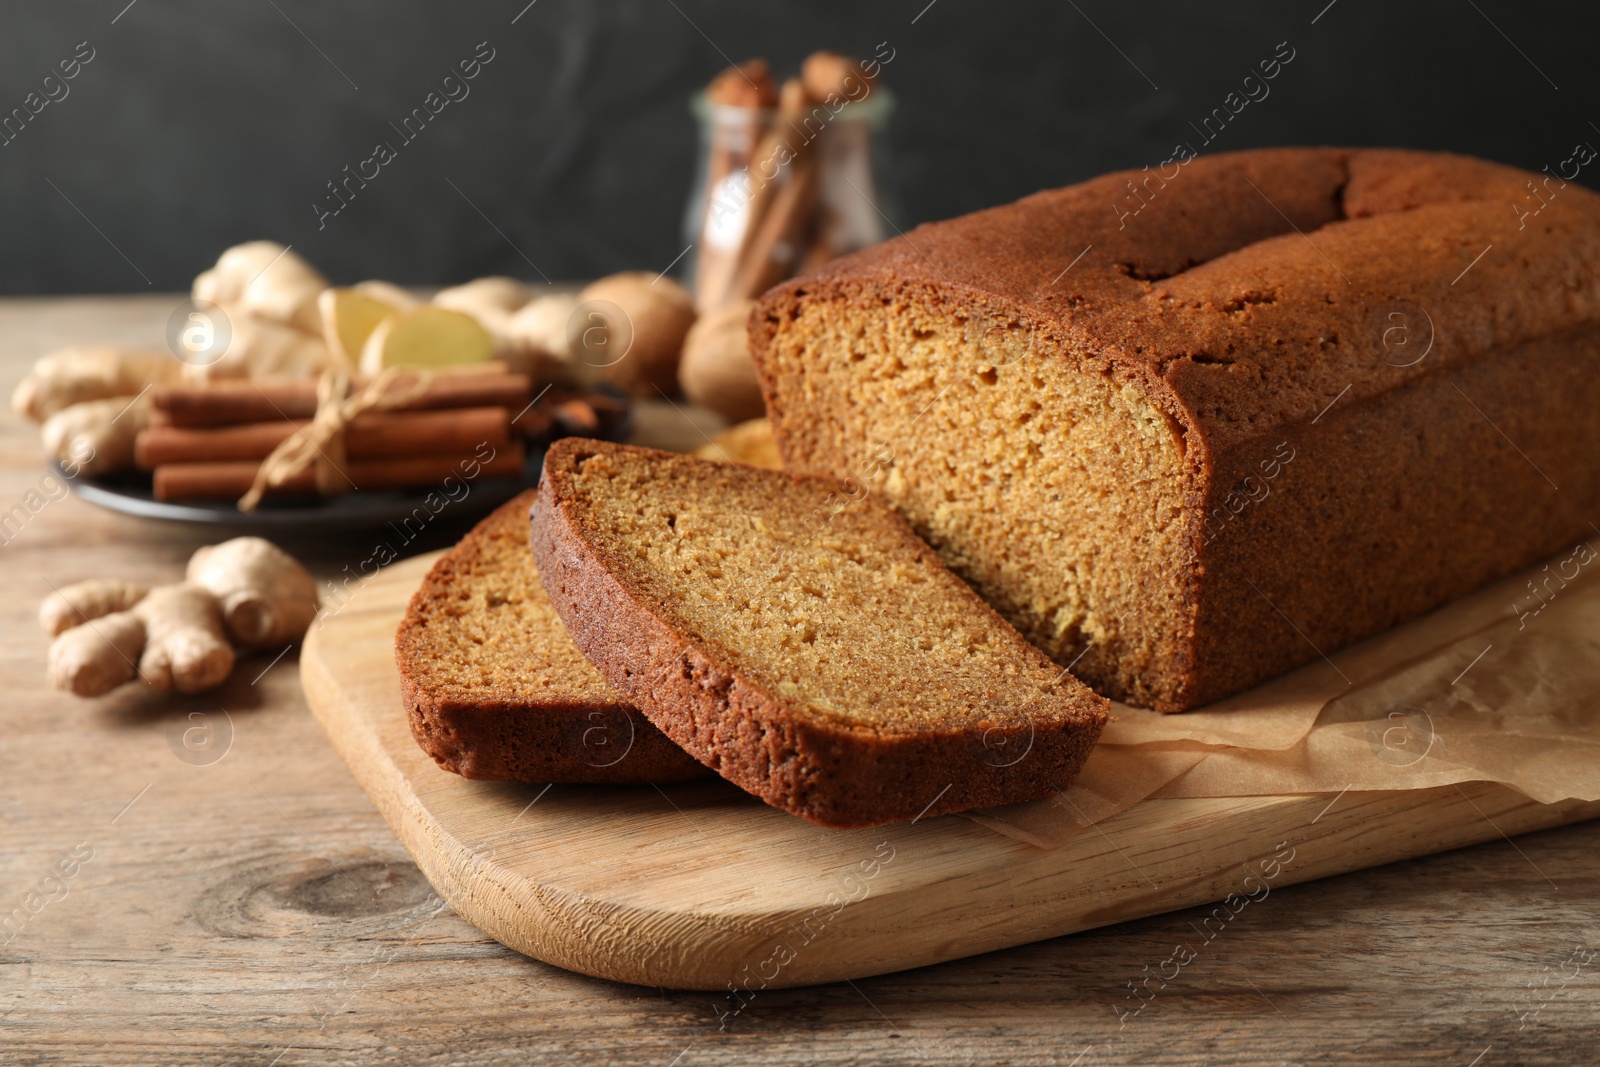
x: 209, y: 441
x: 789, y: 182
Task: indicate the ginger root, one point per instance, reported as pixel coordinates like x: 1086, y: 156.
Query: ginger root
x: 495, y: 293
x: 265, y: 280
x: 178, y: 636
x: 186, y: 647
x: 261, y: 348
x: 717, y: 371
x: 89, y: 372
x: 389, y: 293
x: 270, y: 297
x: 267, y: 597
x: 93, y: 659
x: 172, y: 638
x: 537, y: 334
x: 82, y: 601
x: 97, y: 436
x: 750, y: 443
x: 638, y: 348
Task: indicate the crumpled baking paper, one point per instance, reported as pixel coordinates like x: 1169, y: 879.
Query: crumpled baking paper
x: 1500, y: 686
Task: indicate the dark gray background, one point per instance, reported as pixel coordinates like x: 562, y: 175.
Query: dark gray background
x: 198, y: 125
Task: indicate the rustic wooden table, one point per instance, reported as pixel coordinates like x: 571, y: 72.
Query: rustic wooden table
x: 239, y: 899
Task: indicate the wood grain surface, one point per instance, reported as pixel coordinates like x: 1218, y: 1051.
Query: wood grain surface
x: 245, y: 902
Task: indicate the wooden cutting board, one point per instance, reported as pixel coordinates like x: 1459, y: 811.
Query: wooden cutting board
x: 702, y: 887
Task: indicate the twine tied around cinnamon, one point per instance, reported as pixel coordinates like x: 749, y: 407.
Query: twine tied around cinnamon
x: 321, y: 444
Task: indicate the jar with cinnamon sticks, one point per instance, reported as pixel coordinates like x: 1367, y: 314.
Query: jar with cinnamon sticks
x: 790, y: 176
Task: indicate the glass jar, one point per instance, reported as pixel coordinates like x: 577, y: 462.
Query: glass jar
x: 776, y: 195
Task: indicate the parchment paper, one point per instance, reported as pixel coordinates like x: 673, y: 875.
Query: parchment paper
x: 1502, y: 686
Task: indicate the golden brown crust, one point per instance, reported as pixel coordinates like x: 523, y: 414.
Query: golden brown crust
x: 831, y: 772
x: 1252, y: 298
x: 501, y: 731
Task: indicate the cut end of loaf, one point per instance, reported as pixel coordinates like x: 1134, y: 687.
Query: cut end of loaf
x: 1052, y: 486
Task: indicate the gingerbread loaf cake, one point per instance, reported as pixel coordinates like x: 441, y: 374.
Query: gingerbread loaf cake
x: 494, y: 687
x: 1189, y: 427
x: 805, y: 645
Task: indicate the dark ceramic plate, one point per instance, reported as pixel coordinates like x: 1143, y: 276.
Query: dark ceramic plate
x: 131, y: 494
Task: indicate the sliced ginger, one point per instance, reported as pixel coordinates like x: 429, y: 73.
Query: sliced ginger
x: 348, y: 318
x: 429, y: 336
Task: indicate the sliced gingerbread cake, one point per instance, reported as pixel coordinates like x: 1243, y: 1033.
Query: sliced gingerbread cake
x: 800, y: 639
x: 496, y: 689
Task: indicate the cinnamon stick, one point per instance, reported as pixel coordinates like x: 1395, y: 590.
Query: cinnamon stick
x: 783, y: 235
x: 749, y: 84
x: 373, y: 435
x: 740, y: 102
x: 786, y: 142
x: 829, y: 74
x: 230, y: 480
x: 229, y: 402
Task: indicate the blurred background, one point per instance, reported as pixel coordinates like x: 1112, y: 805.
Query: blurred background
x: 197, y: 125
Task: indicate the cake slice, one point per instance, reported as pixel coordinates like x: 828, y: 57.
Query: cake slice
x: 797, y: 637
x: 494, y: 687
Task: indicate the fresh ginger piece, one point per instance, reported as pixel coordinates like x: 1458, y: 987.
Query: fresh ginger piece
x: 261, y: 348
x: 536, y: 336
x: 95, y: 658
x: 427, y: 337
x: 494, y: 293
x: 716, y: 370
x: 89, y: 372
x: 498, y: 303
x: 638, y: 338
x: 267, y: 597
x: 542, y: 323
x: 97, y: 436
x: 177, y: 636
x: 348, y: 318
x: 237, y: 266
x: 389, y: 293
x: 186, y: 646
x: 267, y: 280
x: 82, y: 601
